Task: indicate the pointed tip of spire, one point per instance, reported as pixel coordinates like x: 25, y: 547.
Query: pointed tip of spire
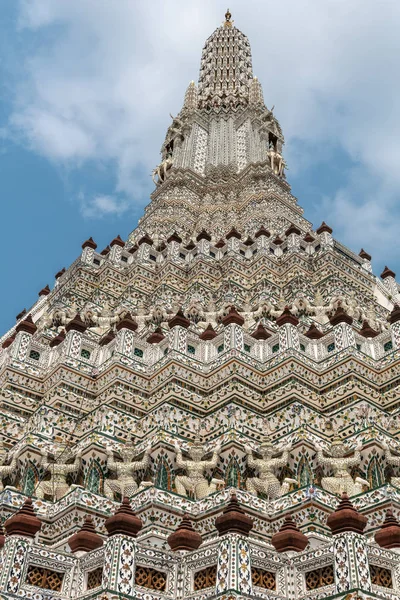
x: 228, y: 19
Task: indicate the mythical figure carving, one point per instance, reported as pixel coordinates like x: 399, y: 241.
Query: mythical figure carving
x: 175, y: 129
x: 276, y: 160
x: 194, y: 481
x: 57, y: 485
x: 341, y: 481
x: 392, y: 460
x: 6, y: 469
x: 161, y: 172
x: 125, y: 484
x: 267, y: 483
x: 105, y: 318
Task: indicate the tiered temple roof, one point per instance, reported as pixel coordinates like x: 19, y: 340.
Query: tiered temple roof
x: 227, y: 328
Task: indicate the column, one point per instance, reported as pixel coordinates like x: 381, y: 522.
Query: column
x: 262, y: 236
x: 203, y: 240
x: 233, y: 332
x: 126, y: 335
x: 21, y: 529
x: 24, y: 332
x: 325, y: 235
x: 288, y: 334
x: 74, y: 334
x: 120, y: 551
x: 145, y: 243
x: 342, y: 329
x: 395, y: 326
x: 351, y: 566
x: 389, y: 281
x: 234, y: 564
x: 293, y: 238
x: 116, y: 249
x: 233, y: 238
x: 366, y: 260
x: 88, y: 249
x: 178, y: 325
x: 174, y: 246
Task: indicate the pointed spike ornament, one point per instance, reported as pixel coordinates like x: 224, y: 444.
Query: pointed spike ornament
x: 289, y: 538
x: 256, y: 96
x: 86, y: 539
x: 228, y: 19
x: 191, y: 97
x: 388, y: 536
x: 24, y: 522
x: 124, y: 521
x: 185, y: 537
x: 234, y: 519
x: 346, y: 518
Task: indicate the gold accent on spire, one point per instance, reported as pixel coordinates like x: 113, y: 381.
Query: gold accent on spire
x: 228, y: 17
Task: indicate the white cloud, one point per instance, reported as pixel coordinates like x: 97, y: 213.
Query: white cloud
x: 102, y: 206
x: 102, y: 78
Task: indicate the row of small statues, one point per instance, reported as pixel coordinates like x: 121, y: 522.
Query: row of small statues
x: 194, y: 482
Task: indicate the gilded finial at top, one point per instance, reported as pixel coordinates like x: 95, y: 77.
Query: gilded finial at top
x: 228, y: 17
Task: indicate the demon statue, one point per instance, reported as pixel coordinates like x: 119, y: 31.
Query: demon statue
x: 6, y: 469
x: 57, y: 485
x: 392, y: 460
x: 125, y: 484
x: 195, y: 482
x: 341, y: 481
x: 267, y: 483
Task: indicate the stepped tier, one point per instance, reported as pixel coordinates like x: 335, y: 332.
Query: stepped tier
x: 229, y: 359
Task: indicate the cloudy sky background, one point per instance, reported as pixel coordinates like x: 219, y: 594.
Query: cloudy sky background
x: 86, y: 91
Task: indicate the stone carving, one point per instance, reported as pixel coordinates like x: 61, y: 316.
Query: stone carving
x: 161, y: 172
x: 341, y: 481
x: 175, y: 129
x: 104, y: 318
x: 125, y: 484
x: 195, y: 482
x: 6, y: 469
x: 276, y: 161
x: 57, y: 485
x: 392, y: 460
x: 267, y: 483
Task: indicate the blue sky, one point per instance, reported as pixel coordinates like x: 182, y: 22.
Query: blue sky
x: 87, y: 88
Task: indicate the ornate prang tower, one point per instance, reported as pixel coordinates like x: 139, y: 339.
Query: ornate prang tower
x: 209, y: 409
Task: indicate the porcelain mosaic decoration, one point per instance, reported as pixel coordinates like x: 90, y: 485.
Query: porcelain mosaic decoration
x: 226, y: 347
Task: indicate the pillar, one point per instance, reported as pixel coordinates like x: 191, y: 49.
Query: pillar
x: 342, y: 329
x: 234, y: 563
x: 233, y: 332
x: 24, y: 332
x: 178, y: 325
x: 120, y: 551
x: 116, y: 249
x: 74, y: 334
x: 325, y: 235
x: 174, y: 246
x: 88, y: 248
x: 288, y: 334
